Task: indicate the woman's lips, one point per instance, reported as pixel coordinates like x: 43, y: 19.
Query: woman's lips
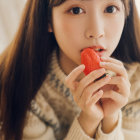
x: 100, y: 53
x: 98, y: 49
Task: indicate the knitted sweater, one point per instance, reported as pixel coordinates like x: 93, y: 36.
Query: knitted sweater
x: 53, y: 114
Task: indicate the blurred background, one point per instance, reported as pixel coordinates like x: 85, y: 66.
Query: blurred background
x: 10, y: 14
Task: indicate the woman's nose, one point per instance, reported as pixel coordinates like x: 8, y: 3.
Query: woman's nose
x: 95, y: 28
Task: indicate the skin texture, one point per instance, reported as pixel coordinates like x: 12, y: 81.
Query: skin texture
x: 92, y: 25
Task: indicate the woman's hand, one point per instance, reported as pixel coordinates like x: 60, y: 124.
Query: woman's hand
x: 86, y: 94
x: 117, y: 91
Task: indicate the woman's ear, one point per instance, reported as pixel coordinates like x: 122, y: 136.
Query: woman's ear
x: 50, y: 28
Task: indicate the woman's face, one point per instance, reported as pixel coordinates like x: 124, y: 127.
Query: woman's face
x: 79, y: 24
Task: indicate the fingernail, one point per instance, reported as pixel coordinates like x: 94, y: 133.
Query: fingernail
x: 100, y: 92
x: 102, y: 63
x: 103, y: 58
x: 107, y: 77
x: 82, y: 66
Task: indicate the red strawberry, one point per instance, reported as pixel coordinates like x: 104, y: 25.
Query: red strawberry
x: 90, y: 59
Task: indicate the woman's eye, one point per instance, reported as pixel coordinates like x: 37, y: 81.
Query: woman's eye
x: 111, y: 9
x: 76, y: 10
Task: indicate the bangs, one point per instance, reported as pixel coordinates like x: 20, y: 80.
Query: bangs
x: 127, y: 7
x: 53, y: 3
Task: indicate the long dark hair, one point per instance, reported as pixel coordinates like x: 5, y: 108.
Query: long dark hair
x: 25, y: 63
x: 128, y: 49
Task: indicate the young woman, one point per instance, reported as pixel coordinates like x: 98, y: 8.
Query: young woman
x: 43, y: 93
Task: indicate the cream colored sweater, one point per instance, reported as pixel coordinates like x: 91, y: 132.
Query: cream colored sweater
x: 53, y: 114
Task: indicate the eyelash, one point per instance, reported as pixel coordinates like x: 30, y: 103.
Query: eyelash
x: 69, y: 11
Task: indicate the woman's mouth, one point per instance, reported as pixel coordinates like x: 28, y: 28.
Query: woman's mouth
x: 98, y: 49
x: 100, y: 52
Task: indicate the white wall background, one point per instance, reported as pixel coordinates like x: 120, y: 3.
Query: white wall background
x: 10, y: 13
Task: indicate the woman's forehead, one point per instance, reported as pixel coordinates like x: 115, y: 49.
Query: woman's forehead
x: 95, y: 0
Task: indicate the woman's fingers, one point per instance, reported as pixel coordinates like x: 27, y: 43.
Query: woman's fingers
x: 115, y: 96
x: 90, y: 78
x: 78, y: 87
x: 95, y: 98
x: 109, y: 59
x: 120, y: 70
x: 83, y: 103
x: 122, y: 84
x: 87, y: 86
x: 90, y: 90
x: 71, y: 78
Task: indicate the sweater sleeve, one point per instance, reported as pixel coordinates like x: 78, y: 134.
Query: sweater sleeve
x: 76, y: 132
x: 131, y: 135
x: 116, y: 134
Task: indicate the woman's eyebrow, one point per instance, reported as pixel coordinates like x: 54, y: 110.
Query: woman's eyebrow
x: 93, y: 0
x: 102, y: 1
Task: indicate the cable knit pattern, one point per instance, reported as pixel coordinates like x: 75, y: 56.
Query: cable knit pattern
x: 53, y: 114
